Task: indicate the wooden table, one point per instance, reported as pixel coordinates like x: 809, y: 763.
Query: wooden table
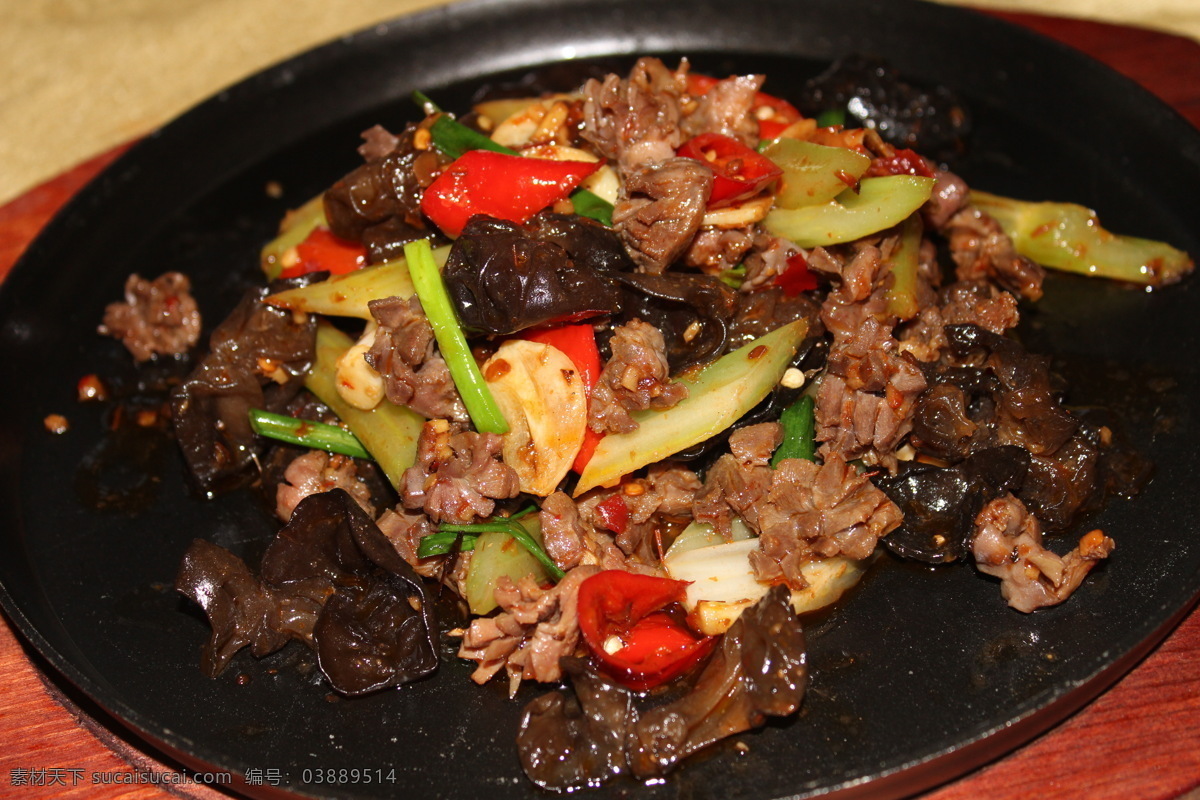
x: 1140, y: 739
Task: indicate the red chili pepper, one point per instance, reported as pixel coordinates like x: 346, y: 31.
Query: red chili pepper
x: 773, y: 113
x: 512, y: 188
x: 797, y: 277
x: 322, y: 251
x: 614, y: 513
x: 903, y: 162
x: 578, y: 342
x: 739, y: 171
x: 654, y: 646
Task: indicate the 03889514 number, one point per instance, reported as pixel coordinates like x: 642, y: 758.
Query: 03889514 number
x: 346, y: 775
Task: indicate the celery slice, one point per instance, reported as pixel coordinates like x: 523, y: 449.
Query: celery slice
x: 1069, y: 237
x: 904, y: 262
x: 388, y: 431
x: 348, y: 295
x: 879, y: 203
x: 718, y: 395
x: 813, y: 173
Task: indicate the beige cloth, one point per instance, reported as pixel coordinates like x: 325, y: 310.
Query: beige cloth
x: 78, y: 77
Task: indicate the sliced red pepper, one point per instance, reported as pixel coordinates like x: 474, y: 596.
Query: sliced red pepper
x: 650, y: 646
x: 578, y: 342
x: 613, y: 512
x: 321, y: 251
x: 739, y: 171
x: 773, y: 113
x: 902, y: 162
x: 797, y: 277
x: 507, y: 187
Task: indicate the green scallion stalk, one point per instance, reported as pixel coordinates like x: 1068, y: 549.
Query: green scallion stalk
x: 831, y: 117
x: 452, y: 342
x: 314, y: 435
x: 442, y: 542
x: 799, y: 424
x: 453, y: 138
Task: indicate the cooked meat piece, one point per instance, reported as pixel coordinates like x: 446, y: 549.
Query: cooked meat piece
x: 379, y: 203
x: 950, y: 195
x: 458, y: 475
x: 564, y: 535
x: 378, y: 142
x: 317, y: 471
x: 635, y: 120
x: 404, y: 353
x: 737, y: 486
x: 981, y: 249
x: 766, y: 261
x: 641, y: 511
x: 534, y: 630
x: 1008, y: 545
x: 865, y: 403
x: 158, y: 317
x: 725, y: 109
x: 818, y: 511
x: 976, y: 302
x: 714, y: 250
x: 405, y: 529
x: 660, y: 208
x: 636, y: 378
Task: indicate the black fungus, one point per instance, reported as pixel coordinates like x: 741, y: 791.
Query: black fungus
x: 932, y: 121
x: 257, y: 358
x: 503, y: 278
x: 940, y: 503
x: 379, y: 203
x: 329, y: 579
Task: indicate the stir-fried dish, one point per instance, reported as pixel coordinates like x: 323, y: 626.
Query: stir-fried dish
x: 639, y: 374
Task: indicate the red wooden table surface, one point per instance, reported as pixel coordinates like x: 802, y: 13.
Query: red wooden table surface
x: 1140, y: 739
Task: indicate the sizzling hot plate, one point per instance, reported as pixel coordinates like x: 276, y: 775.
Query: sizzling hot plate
x: 919, y: 676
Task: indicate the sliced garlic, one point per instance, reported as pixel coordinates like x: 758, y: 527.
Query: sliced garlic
x: 540, y: 393
x: 357, y: 381
x: 536, y: 121
x: 722, y: 582
x: 751, y: 211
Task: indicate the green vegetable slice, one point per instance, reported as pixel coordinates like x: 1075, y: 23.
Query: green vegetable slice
x: 306, y: 433
x: 348, y: 295
x: 1069, y: 237
x: 799, y: 424
x: 904, y: 262
x: 477, y: 397
x: 718, y: 395
x: 389, y: 432
x: 442, y: 542
x: 813, y: 173
x: 879, y: 203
